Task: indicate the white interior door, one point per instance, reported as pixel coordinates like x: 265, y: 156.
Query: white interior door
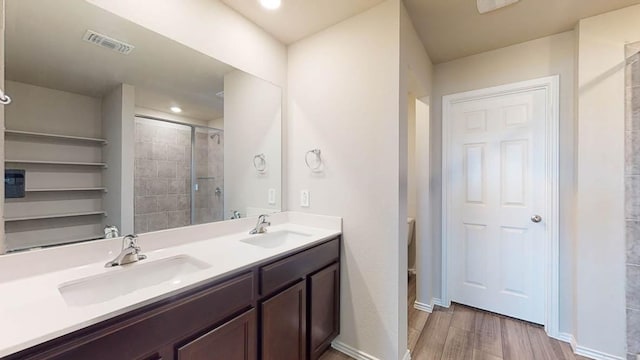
x: 498, y: 186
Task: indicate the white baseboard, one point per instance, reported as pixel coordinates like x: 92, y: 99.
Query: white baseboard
x: 360, y: 355
x: 595, y: 354
x: 439, y: 302
x: 584, y: 351
x: 353, y: 352
x: 407, y: 355
x: 568, y: 338
x: 423, y: 307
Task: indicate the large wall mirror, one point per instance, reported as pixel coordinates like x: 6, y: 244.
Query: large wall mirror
x: 115, y: 126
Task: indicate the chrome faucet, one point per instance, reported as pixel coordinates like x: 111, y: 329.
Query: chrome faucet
x: 261, y: 227
x: 111, y: 232
x: 130, y: 252
x: 236, y: 215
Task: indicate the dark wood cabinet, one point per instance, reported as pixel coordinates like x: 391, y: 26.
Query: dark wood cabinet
x: 284, y: 324
x: 234, y: 340
x: 324, y: 309
x: 284, y: 309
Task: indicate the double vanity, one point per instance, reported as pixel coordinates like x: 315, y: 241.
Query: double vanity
x: 210, y: 291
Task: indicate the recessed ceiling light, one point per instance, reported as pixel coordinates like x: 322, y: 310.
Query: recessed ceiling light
x: 271, y: 4
x: 175, y: 109
x: 485, y: 6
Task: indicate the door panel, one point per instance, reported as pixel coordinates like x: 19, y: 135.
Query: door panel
x: 497, y: 174
x: 324, y: 309
x: 284, y: 323
x: 234, y: 340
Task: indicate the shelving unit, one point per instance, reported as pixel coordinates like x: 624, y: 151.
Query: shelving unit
x: 56, y: 136
x: 62, y: 150
x: 48, y: 162
x: 55, y: 216
x: 67, y: 189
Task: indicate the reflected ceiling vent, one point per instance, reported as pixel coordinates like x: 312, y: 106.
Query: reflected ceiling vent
x: 107, y: 42
x: 485, y: 6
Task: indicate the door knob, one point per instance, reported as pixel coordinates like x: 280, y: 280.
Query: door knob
x: 536, y: 218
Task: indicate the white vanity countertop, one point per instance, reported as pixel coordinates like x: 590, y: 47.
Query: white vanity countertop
x: 33, y: 311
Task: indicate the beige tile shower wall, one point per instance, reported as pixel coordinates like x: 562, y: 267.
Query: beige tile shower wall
x: 216, y: 171
x: 632, y: 189
x: 162, y: 176
x: 209, y: 176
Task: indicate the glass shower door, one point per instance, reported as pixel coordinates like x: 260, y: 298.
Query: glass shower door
x: 208, y: 169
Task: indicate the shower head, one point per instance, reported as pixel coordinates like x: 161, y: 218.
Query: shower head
x: 214, y: 136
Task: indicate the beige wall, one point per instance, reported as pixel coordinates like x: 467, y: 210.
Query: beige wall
x: 253, y: 114
x: 52, y: 111
x: 119, y: 153
x: 600, y: 247
x: 347, y: 105
x: 534, y: 59
x: 415, y: 83
x: 416, y: 73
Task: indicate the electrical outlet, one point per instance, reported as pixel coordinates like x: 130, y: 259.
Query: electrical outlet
x: 304, y: 198
x: 272, y: 196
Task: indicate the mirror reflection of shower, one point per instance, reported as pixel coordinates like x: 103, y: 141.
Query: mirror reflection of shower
x: 216, y: 137
x: 179, y: 174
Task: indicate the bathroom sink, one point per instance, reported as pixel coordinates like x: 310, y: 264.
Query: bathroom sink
x: 128, y: 279
x: 270, y: 240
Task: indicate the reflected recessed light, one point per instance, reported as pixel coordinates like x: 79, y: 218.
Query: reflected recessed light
x: 176, y: 109
x: 271, y: 4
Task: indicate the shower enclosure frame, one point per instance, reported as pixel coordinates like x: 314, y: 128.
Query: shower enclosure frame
x: 193, y: 128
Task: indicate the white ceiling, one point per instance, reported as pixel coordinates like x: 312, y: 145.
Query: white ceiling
x: 450, y: 29
x: 297, y: 19
x: 45, y: 48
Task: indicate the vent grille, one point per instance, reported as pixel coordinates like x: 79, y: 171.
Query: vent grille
x: 108, y: 42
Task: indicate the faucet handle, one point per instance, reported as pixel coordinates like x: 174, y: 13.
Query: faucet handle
x: 130, y: 241
x: 262, y: 218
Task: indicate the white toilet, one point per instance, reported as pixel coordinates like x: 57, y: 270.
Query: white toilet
x: 411, y: 226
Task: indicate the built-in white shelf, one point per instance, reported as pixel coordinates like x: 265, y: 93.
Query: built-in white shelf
x: 55, y: 216
x: 61, y: 242
x: 56, y: 136
x: 48, y: 162
x: 68, y: 189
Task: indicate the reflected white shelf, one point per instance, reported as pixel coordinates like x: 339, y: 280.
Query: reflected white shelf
x: 54, y: 216
x: 57, y: 136
x: 68, y: 189
x: 47, y: 162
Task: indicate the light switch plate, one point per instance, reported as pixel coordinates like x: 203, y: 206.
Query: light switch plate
x: 272, y: 196
x: 304, y: 198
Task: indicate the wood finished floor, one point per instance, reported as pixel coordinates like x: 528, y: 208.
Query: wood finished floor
x: 464, y: 333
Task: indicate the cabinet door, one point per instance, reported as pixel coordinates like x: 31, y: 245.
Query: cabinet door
x: 284, y: 324
x: 235, y: 340
x: 324, y: 313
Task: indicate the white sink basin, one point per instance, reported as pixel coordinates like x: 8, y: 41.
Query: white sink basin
x: 270, y: 240
x: 128, y: 279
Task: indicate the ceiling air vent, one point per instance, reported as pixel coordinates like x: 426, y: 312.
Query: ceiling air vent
x: 107, y: 42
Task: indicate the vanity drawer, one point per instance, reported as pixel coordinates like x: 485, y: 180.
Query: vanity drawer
x: 286, y: 271
x: 152, y: 328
